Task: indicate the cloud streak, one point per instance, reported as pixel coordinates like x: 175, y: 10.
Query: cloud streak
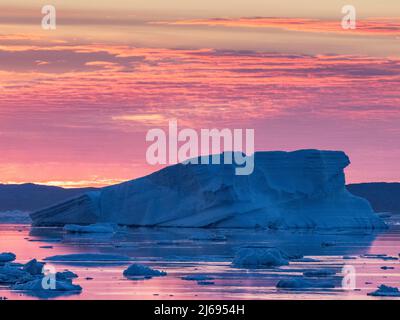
x: 372, y: 26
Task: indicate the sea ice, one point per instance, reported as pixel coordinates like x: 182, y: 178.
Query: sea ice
x: 197, y: 277
x: 385, y: 291
x: 6, y: 257
x: 300, y: 283
x: 29, y: 278
x: 35, y: 288
x: 387, y: 268
x: 66, y: 275
x: 89, y: 258
x: 205, y: 283
x: 33, y: 267
x: 259, y: 258
x: 139, y: 270
x: 349, y: 258
x: 12, y: 274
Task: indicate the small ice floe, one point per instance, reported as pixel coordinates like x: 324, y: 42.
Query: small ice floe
x: 197, y: 277
x: 46, y: 247
x: 259, y: 258
x: 205, y: 283
x: 89, y: 259
x: 319, y: 273
x: 381, y: 256
x: 30, y: 279
x: 139, y: 271
x: 374, y: 255
x: 300, y: 283
x: 6, y: 257
x: 66, y: 275
x: 33, y: 267
x: 384, y: 215
x: 92, y: 228
x: 389, y: 258
x: 37, y: 288
x: 12, y: 274
x: 387, y: 268
x: 385, y: 291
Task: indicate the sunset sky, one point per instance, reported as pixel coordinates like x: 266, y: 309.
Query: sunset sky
x: 76, y: 102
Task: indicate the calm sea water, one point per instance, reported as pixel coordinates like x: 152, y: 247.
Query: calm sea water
x: 183, y: 252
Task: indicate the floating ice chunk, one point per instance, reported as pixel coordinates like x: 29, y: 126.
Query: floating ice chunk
x: 37, y: 288
x: 381, y: 256
x: 29, y: 278
x: 389, y: 258
x: 142, y: 271
x: 33, y: 267
x: 387, y: 268
x: 259, y: 258
x: 205, y: 283
x: 197, y: 277
x: 12, y: 274
x: 319, y: 273
x: 66, y: 275
x: 6, y: 257
x: 92, y: 228
x: 300, y: 283
x: 385, y: 291
x: 374, y: 255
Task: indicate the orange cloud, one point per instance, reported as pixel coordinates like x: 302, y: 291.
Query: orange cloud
x: 373, y: 26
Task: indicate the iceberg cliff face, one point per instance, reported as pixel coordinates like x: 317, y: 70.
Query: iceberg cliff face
x: 301, y: 189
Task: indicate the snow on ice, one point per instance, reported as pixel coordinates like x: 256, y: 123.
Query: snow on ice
x: 385, y: 291
x: 141, y: 271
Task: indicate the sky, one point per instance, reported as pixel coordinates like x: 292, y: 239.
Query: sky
x: 76, y: 102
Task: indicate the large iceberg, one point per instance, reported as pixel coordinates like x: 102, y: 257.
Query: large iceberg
x: 300, y: 189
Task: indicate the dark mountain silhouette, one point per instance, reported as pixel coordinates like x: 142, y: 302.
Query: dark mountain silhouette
x: 30, y: 197
x: 384, y: 197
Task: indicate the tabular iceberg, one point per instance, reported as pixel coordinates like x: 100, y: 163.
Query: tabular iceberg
x: 300, y: 189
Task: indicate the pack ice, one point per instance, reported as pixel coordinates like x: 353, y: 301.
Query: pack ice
x: 300, y: 189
